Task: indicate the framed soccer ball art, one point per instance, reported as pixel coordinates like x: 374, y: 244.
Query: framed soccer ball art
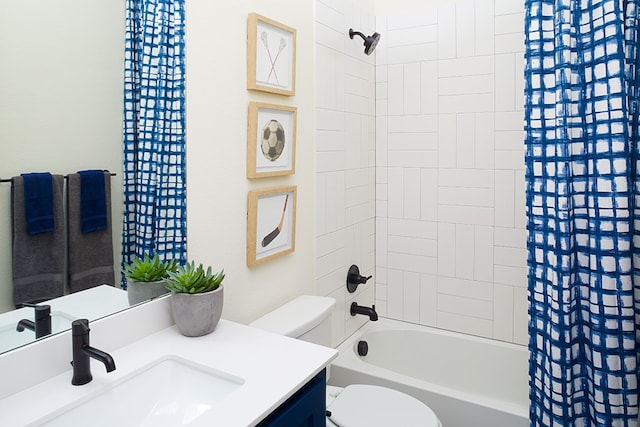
x: 271, y: 148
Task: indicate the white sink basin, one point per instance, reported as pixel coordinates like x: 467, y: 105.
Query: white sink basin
x: 169, y: 392
x: 10, y: 338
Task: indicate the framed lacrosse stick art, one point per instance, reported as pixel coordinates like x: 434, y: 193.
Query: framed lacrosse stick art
x: 271, y: 224
x: 271, y: 148
x: 271, y: 56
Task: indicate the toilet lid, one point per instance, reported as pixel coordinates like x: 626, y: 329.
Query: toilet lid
x: 373, y: 406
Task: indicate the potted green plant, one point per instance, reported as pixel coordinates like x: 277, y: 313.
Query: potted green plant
x: 145, y: 277
x: 196, y: 298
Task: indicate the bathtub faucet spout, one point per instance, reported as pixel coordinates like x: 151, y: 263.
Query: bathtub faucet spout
x: 367, y: 311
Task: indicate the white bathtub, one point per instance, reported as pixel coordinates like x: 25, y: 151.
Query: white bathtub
x: 466, y: 380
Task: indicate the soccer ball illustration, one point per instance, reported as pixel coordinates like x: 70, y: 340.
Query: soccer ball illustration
x: 272, y: 140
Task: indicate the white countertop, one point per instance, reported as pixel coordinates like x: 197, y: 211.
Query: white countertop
x: 273, y: 367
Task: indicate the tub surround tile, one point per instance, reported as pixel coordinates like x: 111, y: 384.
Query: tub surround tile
x: 411, y: 159
x: 464, y: 247
x: 415, y: 263
x: 512, y: 257
x: 446, y: 249
x: 483, y: 254
x: 466, y: 214
x: 466, y: 196
x: 447, y: 141
x: 418, y: 229
x: 428, y: 195
x: 429, y: 87
x: 331, y: 16
x: 348, y: 116
x: 464, y: 324
x: 411, y: 79
x: 465, y: 141
x: 505, y: 198
x: 509, y: 275
x: 411, y: 296
x: 520, y: 214
x: 447, y: 37
x: 511, y: 159
x: 485, y: 140
x: 503, y: 312
x: 442, y: 97
x: 505, y: 82
x: 395, y: 294
x: 411, y: 199
x: 428, y: 299
x: 520, y: 317
x: 408, y: 35
x: 473, y: 289
x: 465, y: 28
x: 453, y: 67
x: 481, y: 309
x: 484, y: 25
x: 329, y: 37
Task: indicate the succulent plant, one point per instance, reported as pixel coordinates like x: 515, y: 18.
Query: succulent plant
x: 149, y: 269
x: 189, y: 279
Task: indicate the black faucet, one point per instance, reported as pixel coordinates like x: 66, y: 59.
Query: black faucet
x: 42, y: 324
x: 354, y: 278
x: 367, y: 311
x: 82, y: 354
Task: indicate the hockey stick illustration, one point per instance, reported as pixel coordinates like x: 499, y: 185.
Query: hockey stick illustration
x: 276, y: 231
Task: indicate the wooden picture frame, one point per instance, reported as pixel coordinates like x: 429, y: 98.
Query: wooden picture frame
x: 271, y: 56
x: 271, y: 223
x: 271, y: 145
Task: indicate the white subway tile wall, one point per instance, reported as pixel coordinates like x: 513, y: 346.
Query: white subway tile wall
x: 420, y: 170
x: 450, y: 168
x: 345, y: 158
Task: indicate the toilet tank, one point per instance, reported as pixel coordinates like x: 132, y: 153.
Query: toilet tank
x: 306, y: 317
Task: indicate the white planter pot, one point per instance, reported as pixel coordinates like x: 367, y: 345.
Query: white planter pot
x: 197, y: 314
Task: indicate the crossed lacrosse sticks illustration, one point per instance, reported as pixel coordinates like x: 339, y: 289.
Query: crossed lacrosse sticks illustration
x: 273, y: 60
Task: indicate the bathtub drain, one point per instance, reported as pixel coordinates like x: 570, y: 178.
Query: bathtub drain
x: 363, y: 348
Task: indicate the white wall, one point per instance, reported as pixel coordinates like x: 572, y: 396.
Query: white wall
x: 217, y: 187
x: 386, y: 7
x: 60, y: 100
x: 450, y: 248
x: 345, y: 157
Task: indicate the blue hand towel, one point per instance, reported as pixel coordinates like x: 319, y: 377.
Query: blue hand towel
x: 38, y: 202
x: 93, y: 209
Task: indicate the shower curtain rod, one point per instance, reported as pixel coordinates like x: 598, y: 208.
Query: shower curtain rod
x: 65, y: 177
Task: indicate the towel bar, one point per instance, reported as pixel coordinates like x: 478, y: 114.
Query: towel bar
x: 65, y: 177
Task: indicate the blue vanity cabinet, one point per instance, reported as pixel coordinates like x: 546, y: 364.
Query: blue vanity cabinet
x: 306, y: 408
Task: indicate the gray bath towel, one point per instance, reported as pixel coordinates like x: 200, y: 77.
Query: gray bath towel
x: 90, y: 254
x: 38, y: 259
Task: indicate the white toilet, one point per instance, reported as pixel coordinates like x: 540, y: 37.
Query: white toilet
x: 309, y: 318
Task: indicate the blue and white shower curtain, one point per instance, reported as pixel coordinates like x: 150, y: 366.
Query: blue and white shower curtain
x: 583, y: 221
x: 154, y: 130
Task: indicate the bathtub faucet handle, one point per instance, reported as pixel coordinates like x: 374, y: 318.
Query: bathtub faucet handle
x: 354, y: 278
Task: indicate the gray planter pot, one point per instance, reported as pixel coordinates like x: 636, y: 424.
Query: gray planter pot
x: 138, y: 292
x: 197, y: 314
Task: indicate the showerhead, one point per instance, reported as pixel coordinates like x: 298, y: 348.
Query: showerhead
x: 370, y: 42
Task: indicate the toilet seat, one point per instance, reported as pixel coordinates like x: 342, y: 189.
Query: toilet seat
x: 372, y: 406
